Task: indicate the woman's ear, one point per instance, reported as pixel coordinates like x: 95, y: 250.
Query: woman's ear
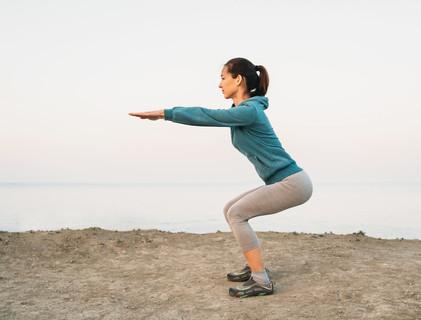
x: 239, y: 79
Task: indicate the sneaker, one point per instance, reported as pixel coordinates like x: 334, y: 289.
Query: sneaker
x: 240, y: 276
x: 251, y: 288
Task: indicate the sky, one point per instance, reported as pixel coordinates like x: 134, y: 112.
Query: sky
x: 344, y: 94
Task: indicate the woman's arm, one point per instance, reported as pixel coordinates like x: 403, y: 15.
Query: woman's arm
x: 196, y: 116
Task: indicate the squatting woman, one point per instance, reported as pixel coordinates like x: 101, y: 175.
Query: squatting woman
x: 286, y: 184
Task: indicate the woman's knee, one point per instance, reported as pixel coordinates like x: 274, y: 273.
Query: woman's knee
x: 225, y: 210
x: 234, y: 214
x: 228, y: 207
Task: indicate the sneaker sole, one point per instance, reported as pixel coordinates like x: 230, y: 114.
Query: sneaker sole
x: 253, y: 294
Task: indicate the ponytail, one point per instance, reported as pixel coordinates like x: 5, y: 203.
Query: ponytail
x: 262, y: 88
x: 257, y: 77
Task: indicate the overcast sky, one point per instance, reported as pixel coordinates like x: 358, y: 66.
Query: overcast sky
x: 344, y: 94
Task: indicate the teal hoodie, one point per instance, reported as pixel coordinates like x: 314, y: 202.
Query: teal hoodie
x: 251, y: 134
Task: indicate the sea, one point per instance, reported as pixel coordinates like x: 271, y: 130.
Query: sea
x: 386, y: 210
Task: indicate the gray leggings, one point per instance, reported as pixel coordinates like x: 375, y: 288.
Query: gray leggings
x: 268, y: 199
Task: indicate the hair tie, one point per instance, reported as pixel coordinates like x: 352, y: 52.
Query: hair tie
x: 256, y: 68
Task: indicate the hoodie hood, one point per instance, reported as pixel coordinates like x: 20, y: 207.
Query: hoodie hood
x: 259, y: 100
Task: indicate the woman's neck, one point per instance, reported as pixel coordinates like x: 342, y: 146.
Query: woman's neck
x: 240, y: 98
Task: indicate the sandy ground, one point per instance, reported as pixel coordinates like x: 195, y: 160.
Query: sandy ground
x: 150, y: 274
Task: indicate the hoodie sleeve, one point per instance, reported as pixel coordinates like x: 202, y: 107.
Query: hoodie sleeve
x: 195, y: 116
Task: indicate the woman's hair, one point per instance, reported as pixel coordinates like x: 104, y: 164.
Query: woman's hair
x: 257, y: 84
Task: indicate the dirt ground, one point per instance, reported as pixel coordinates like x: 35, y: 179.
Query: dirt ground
x: 150, y: 274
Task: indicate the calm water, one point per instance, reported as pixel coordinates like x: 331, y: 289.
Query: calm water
x: 386, y: 210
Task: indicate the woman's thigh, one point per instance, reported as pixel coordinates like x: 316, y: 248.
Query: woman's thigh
x: 290, y: 192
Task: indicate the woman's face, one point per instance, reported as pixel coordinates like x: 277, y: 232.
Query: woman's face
x: 228, y: 84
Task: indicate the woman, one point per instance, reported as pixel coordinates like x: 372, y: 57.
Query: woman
x: 286, y: 184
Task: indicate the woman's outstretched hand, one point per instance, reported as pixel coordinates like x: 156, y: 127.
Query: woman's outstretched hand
x: 151, y: 115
